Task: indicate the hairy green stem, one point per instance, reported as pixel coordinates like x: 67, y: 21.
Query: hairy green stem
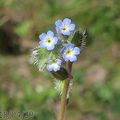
x: 65, y: 91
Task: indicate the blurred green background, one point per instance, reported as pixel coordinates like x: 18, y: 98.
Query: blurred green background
x: 96, y: 91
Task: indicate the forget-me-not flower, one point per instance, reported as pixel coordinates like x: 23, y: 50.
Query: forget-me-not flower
x: 53, y: 64
x: 70, y: 52
x: 64, y: 27
x: 48, y: 40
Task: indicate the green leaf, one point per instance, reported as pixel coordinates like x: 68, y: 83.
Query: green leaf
x: 59, y: 85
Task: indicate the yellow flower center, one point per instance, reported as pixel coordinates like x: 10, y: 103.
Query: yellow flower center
x: 68, y: 52
x: 52, y: 62
x: 48, y: 40
x: 64, y: 28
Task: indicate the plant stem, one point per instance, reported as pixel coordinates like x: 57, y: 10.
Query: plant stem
x: 65, y: 92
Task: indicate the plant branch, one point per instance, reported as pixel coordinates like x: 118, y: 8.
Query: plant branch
x: 65, y: 92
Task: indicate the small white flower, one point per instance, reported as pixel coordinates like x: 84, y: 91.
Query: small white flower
x: 48, y: 40
x: 64, y: 27
x: 54, y: 64
x: 70, y: 52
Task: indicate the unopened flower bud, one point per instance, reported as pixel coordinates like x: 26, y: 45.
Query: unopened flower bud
x: 79, y: 38
x: 62, y: 74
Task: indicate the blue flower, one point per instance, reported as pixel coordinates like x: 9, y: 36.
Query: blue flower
x: 69, y: 52
x: 48, y: 40
x: 64, y: 27
x: 53, y: 64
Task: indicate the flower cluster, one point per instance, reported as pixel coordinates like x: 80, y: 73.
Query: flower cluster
x: 55, y: 49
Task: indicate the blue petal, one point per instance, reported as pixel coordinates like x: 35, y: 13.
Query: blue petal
x: 58, y: 23
x: 67, y: 21
x: 59, y: 61
x: 42, y: 36
x: 55, y: 40
x: 73, y: 59
x: 70, y: 45
x: 72, y: 27
x: 76, y: 51
x: 66, y: 32
x: 42, y: 44
x: 50, y: 33
x: 62, y: 50
x: 51, y: 47
x: 49, y: 67
x: 56, y: 68
x: 58, y: 30
x: 65, y: 58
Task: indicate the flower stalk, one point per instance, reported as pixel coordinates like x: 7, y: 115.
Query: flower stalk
x: 64, y: 98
